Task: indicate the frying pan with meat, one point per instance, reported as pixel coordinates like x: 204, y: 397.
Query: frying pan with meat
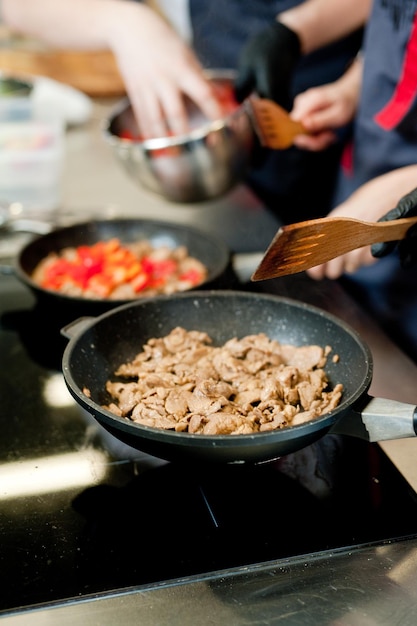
x: 98, y: 346
x: 210, y: 250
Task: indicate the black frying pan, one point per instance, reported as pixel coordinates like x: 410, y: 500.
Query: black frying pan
x: 210, y: 250
x: 98, y: 346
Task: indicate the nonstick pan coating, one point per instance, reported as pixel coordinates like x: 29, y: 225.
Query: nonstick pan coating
x: 210, y: 250
x: 97, y: 346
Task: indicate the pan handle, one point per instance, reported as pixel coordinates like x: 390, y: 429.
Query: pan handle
x: 76, y: 327
x: 379, y: 419
x: 15, y: 225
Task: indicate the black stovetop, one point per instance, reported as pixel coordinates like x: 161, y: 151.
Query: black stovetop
x: 82, y: 514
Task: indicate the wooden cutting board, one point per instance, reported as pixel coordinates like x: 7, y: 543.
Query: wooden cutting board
x: 94, y: 73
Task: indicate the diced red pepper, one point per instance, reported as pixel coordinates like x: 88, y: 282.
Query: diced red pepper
x: 100, y: 286
x: 105, y: 265
x: 140, y: 282
x: 164, y: 268
x: 128, y: 135
x: 225, y: 95
x: 192, y: 276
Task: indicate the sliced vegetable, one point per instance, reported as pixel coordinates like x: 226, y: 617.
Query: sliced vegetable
x: 101, y: 269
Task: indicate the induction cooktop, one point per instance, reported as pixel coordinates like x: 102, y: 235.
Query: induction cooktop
x: 81, y: 513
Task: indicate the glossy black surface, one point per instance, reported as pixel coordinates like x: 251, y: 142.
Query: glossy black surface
x: 81, y: 513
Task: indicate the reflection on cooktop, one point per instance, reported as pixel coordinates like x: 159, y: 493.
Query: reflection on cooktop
x: 175, y: 521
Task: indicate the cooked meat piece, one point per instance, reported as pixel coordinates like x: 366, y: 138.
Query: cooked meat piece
x: 180, y: 339
x: 288, y: 376
x: 250, y: 396
x: 304, y: 357
x: 196, y: 423
x: 278, y: 421
x: 177, y: 402
x: 205, y: 404
x: 229, y: 368
x: 307, y: 393
x: 182, y: 382
x: 149, y: 417
x: 126, y: 394
x: 227, y: 424
x: 261, y: 342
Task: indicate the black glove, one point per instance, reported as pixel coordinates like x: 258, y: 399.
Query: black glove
x: 267, y: 63
x: 407, y: 247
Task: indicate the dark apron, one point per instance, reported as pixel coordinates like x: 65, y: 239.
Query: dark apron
x: 385, y: 138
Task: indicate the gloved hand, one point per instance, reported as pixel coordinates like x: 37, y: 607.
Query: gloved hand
x: 267, y: 63
x: 407, y: 247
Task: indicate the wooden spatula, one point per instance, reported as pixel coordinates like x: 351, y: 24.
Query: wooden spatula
x: 297, y: 247
x: 272, y: 123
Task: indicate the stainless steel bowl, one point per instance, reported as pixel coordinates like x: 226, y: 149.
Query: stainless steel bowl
x: 201, y: 165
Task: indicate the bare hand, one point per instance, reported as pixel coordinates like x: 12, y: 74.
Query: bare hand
x: 159, y: 70
x: 345, y: 264
x: 325, y: 109
x: 370, y: 202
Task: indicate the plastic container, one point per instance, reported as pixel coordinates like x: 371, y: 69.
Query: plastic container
x: 31, y: 160
x: 15, y: 99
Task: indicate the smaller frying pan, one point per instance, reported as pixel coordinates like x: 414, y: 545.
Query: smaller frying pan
x: 210, y: 250
x: 98, y: 346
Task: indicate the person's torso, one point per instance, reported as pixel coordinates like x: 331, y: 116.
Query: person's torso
x: 220, y: 32
x: 385, y: 135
